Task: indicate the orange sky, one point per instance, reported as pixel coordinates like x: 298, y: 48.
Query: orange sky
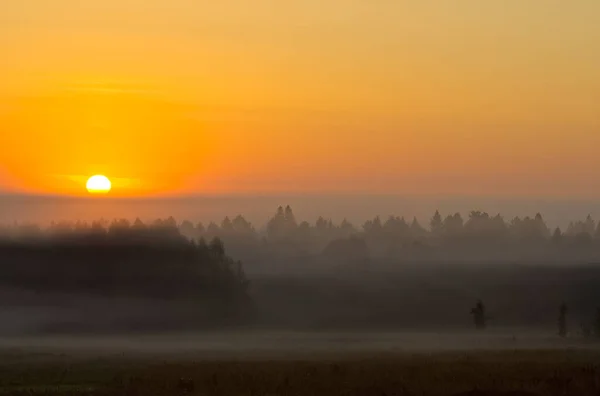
x: 241, y: 96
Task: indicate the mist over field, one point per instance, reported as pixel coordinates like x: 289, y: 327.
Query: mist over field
x: 299, y: 198
x: 323, y: 284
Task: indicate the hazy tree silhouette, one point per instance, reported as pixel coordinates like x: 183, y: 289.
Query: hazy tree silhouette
x: 373, y: 227
x: 226, y: 226
x: 416, y: 229
x: 276, y: 226
x: 436, y: 224
x: 391, y: 237
x: 453, y: 225
x: 138, y: 224
x: 212, y: 230
x: 482, y: 236
x: 168, y: 261
x: 123, y: 259
x: 557, y: 236
x: 290, y: 219
x: 242, y: 226
x: 478, y: 222
x: 589, y: 225
x: 577, y: 228
x: 347, y: 229
x: 396, y: 227
x: 529, y: 229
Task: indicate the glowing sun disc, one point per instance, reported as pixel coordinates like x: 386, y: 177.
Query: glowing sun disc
x: 98, y: 185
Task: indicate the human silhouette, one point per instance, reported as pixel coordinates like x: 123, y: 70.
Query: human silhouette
x: 562, y: 321
x: 478, y: 313
x: 597, y: 323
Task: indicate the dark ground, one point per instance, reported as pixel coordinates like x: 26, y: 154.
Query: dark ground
x: 298, y: 364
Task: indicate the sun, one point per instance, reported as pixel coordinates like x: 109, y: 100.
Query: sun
x: 98, y: 185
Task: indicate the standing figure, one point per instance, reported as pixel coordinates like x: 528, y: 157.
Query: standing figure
x: 562, y: 321
x: 479, y: 315
x: 597, y: 323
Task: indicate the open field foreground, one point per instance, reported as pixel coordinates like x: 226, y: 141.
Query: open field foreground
x: 101, y: 367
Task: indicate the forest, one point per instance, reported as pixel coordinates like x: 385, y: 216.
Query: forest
x: 479, y: 235
x: 121, y: 271
x: 387, y: 274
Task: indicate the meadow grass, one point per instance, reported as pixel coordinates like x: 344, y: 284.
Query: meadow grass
x: 541, y: 372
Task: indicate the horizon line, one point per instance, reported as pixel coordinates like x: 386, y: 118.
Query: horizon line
x: 287, y: 194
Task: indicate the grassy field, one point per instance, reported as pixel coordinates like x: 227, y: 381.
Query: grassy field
x: 566, y: 372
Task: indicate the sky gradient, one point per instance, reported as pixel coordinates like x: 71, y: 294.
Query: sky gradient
x: 184, y: 97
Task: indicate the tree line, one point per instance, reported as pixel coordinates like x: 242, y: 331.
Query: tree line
x: 125, y: 260
x: 172, y: 261
x: 477, y: 225
x: 383, y: 237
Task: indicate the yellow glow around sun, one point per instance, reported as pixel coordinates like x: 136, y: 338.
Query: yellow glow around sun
x: 98, y: 185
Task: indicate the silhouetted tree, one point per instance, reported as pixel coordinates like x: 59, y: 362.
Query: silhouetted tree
x: 529, y: 229
x: 396, y: 227
x: 304, y: 234
x: 170, y: 223
x: 217, y: 247
x: 60, y: 228
x: 346, y: 229
x: 373, y: 226
x: 80, y: 226
x: 498, y: 226
x: 98, y: 227
x: 589, y: 225
x: 453, y: 225
x: 304, y: 227
x: 541, y: 227
x: 436, y: 224
x: 120, y: 226
x: 573, y: 228
x: 213, y: 230
x: 290, y: 219
x: 478, y: 222
x: 276, y: 225
x: 416, y: 230
x: 242, y: 226
x: 321, y: 224
x: 557, y: 236
x: 226, y: 226
x: 138, y: 225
